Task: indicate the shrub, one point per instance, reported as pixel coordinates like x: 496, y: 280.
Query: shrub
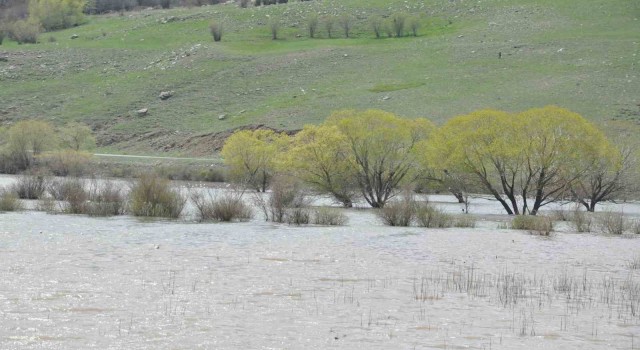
x: 328, y: 25
x: 9, y: 201
x: 346, y: 22
x: 285, y: 194
x: 541, y: 225
x: 414, y: 25
x: 377, y: 25
x: 464, y: 221
x: 580, y: 220
x: 31, y: 186
x: 612, y: 223
x: 75, y: 196
x: 66, y: 162
x: 61, y: 188
x: 427, y: 215
x: 215, y: 28
x: 244, y: 3
x: 398, y: 24
x: 635, y: 227
x: 107, y: 200
x: 24, y: 31
x: 329, y: 217
x: 154, y: 197
x: 1, y: 35
x: 312, y: 24
x: 46, y: 204
x: 227, y: 207
x: 274, y: 25
x: 399, y: 213
x: 57, y: 14
x: 297, y: 216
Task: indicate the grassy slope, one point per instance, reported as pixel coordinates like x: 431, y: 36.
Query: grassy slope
x: 583, y: 55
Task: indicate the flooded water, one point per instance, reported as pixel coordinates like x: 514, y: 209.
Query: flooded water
x: 74, y: 282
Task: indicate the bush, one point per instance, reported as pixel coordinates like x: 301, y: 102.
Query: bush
x: 1, y: 35
x: 244, y: 3
x: 377, y: 25
x: 346, y: 22
x: 227, y: 207
x: 107, y: 200
x: 297, y: 216
x: 399, y: 213
x: 541, y: 225
x: 635, y: 227
x: 73, y: 194
x: 9, y: 201
x: 398, y: 23
x: 152, y: 196
x: 612, y: 223
x: 24, y: 31
x: 429, y: 216
x: 580, y: 220
x: 274, y: 25
x: 57, y: 14
x: 285, y: 194
x: 312, y: 24
x: 414, y: 25
x: 464, y: 221
x: 329, y: 217
x: 215, y: 28
x: 66, y: 162
x: 329, y: 22
x: 31, y: 186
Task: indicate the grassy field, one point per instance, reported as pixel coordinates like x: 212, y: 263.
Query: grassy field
x: 583, y: 55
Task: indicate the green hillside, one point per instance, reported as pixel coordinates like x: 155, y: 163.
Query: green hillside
x: 583, y: 55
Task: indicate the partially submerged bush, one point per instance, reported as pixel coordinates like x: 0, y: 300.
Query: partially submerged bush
x: 31, y: 186
x: 329, y: 217
x: 152, y: 196
x: 427, y: 215
x: 611, y: 222
x: 73, y: 194
x: 297, y: 216
x: 9, y: 200
x: 581, y: 220
x: 107, y: 199
x: 399, y: 213
x: 66, y: 162
x: 464, y: 221
x: 541, y: 225
x: 226, y: 207
x: 285, y: 194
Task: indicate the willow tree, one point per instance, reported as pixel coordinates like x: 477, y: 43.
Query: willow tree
x: 526, y: 160
x: 251, y: 156
x: 320, y: 156
x: 382, y: 148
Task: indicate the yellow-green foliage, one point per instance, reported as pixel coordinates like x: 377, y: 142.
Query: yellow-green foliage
x: 251, y: 156
x: 153, y: 196
x: 535, y: 154
x: 319, y: 155
x: 77, y: 136
x: 382, y: 147
x: 57, y: 14
x: 29, y: 138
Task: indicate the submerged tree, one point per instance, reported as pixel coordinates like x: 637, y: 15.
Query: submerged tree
x: 382, y: 148
x: 251, y: 156
x: 320, y: 156
x: 525, y: 160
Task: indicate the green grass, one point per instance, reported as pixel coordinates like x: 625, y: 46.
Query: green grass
x: 580, y: 55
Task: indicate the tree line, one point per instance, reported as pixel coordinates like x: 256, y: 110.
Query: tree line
x: 522, y: 160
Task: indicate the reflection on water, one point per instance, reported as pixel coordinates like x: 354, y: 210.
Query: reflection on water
x: 119, y: 283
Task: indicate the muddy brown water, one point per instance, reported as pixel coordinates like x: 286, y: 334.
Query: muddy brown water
x: 74, y: 282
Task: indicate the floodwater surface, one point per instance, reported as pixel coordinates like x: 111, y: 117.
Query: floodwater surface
x: 74, y: 282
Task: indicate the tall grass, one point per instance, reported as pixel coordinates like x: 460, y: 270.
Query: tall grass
x: 9, y: 200
x: 154, y: 197
x: 225, y: 207
x: 428, y: 215
x: 329, y: 217
x: 541, y: 225
x: 613, y: 223
x: 31, y: 186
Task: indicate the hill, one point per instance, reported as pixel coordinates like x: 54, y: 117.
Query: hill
x: 506, y: 54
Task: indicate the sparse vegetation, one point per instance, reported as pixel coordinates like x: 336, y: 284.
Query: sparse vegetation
x: 429, y: 216
x: 540, y: 225
x: 329, y: 217
x: 225, y: 207
x: 152, y: 196
x: 9, y: 200
x: 613, y: 223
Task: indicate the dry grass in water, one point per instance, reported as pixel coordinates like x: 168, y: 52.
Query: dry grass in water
x: 285, y: 195
x: 613, y: 223
x: 154, y: 197
x: 398, y: 213
x: 329, y: 217
x: 9, y: 200
x: 464, y: 221
x: 107, y: 199
x: 226, y: 207
x: 540, y: 225
x: 581, y: 220
x: 428, y: 215
x: 31, y: 186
